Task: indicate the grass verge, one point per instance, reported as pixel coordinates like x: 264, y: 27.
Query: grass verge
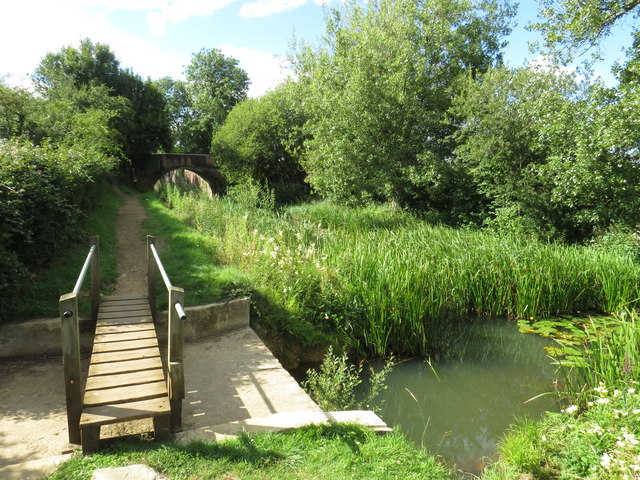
x: 41, y: 294
x: 327, y: 452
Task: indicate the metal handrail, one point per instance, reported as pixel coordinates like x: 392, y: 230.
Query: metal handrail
x: 178, y: 306
x: 165, y: 277
x: 85, y: 269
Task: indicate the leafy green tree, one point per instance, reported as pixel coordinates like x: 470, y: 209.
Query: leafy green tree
x: 18, y: 109
x: 261, y: 140
x: 571, y: 27
x: 551, y: 156
x: 216, y: 84
x: 182, y: 121
x: 379, y: 89
x: 141, y: 120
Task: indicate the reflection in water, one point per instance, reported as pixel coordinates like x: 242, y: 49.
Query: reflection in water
x: 476, y: 392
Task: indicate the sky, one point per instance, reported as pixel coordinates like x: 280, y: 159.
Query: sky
x: 156, y: 38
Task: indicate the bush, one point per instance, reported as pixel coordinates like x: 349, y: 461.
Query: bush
x: 44, y: 192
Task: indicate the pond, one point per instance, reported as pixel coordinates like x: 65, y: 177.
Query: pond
x: 460, y: 405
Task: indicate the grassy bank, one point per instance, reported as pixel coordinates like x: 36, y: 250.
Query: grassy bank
x: 381, y: 281
x: 324, y: 452
x: 40, y: 295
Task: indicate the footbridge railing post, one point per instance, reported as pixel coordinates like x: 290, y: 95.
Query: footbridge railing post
x: 70, y: 333
x: 175, y: 326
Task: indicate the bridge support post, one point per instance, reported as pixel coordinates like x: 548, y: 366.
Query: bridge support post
x: 71, y: 361
x: 175, y: 357
x: 95, y: 279
x: 151, y: 278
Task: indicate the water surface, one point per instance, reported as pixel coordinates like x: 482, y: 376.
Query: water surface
x: 459, y: 408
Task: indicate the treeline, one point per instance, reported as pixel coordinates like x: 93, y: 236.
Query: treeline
x: 408, y: 102
x: 85, y: 117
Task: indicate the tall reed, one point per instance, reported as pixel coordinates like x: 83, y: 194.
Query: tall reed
x: 386, y: 282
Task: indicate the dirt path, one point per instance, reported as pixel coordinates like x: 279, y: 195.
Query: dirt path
x: 33, y: 420
x: 132, y: 254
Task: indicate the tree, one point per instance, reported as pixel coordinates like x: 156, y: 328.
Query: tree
x: 551, y: 156
x: 571, y: 27
x: 141, y: 120
x: 216, y: 84
x: 261, y: 141
x: 379, y: 89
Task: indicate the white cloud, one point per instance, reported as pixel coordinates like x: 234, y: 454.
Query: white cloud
x: 28, y: 37
x: 179, y: 10
x: 263, y: 8
x: 265, y: 70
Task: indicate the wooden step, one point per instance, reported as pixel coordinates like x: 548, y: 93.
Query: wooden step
x: 109, y: 414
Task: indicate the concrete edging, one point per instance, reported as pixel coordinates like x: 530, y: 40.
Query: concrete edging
x: 42, y: 336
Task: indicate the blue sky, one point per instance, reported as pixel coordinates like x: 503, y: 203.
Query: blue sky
x: 157, y: 37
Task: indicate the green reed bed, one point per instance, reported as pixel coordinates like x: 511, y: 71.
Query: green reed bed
x: 384, y: 281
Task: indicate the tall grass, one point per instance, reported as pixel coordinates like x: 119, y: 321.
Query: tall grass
x: 608, y: 353
x: 387, y: 282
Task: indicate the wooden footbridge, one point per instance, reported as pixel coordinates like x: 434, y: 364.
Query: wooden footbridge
x: 127, y: 377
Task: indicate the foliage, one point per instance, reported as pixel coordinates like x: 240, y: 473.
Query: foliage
x: 41, y: 290
x: 341, y: 385
x: 377, y: 90
x: 599, y: 441
x: 594, y: 350
x: 260, y: 141
x: 141, y: 121
x: 216, y: 84
x: 43, y: 191
x: 331, y: 452
x: 382, y: 282
x: 551, y: 157
x: 571, y: 27
x: 182, y: 121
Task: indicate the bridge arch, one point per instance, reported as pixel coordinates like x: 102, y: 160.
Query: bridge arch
x: 162, y: 163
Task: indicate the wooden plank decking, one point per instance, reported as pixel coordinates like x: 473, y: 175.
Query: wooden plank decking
x: 126, y: 379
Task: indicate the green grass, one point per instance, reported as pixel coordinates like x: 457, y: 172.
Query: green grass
x: 596, y: 442
x: 381, y: 281
x: 323, y: 452
x: 191, y: 259
x: 41, y: 295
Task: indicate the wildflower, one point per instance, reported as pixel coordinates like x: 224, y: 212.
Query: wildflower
x: 605, y: 461
x: 631, y: 390
x: 596, y: 430
x: 571, y: 409
x: 601, y: 390
x: 602, y: 400
x: 544, y: 438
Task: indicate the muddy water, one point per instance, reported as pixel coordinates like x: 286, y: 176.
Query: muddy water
x: 460, y: 405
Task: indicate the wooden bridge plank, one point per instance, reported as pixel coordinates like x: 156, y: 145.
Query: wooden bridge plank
x: 108, y: 414
x: 134, y: 327
x: 125, y: 314
x: 123, y: 336
x: 124, y: 379
x: 125, y: 309
x: 121, y: 346
x: 125, y: 321
x: 130, y: 393
x: 138, y: 354
x: 120, y: 298
x: 125, y: 366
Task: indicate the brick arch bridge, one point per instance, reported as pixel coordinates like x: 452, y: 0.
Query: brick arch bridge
x: 161, y: 163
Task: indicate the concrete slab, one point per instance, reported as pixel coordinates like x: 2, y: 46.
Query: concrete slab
x: 132, y: 472
x: 235, y: 377
x: 279, y: 422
